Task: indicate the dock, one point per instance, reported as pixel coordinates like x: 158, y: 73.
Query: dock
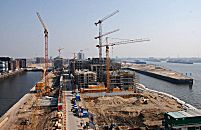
x: 160, y: 73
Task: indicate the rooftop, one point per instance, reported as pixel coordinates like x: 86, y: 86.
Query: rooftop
x: 183, y: 114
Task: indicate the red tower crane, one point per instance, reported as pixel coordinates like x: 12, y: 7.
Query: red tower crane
x: 108, y: 58
x: 46, y: 52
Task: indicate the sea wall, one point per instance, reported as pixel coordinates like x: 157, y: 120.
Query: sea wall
x: 7, y: 75
x: 167, y: 78
x: 184, y: 104
x: 13, y: 110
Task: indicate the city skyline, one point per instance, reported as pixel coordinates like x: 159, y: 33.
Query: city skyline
x: 172, y: 26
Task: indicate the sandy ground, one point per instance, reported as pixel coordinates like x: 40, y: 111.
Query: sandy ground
x: 159, y: 70
x: 23, y: 115
x: 131, y: 111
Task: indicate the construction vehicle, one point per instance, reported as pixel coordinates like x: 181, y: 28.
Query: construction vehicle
x: 39, y: 87
x: 46, y: 83
x: 125, y: 41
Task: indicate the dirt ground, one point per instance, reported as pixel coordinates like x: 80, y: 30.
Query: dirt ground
x: 24, y: 115
x: 132, y: 111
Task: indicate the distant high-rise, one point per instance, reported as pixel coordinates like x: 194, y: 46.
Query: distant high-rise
x: 21, y: 63
x: 40, y: 60
x: 80, y: 55
x: 5, y: 64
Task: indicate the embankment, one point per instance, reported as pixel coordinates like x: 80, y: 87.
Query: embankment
x: 184, y: 104
x: 7, y: 75
x: 9, y: 116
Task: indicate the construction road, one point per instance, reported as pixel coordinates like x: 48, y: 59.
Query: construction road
x: 72, y: 122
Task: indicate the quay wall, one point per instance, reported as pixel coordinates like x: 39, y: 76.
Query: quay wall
x: 13, y: 110
x: 7, y: 75
x: 162, y: 77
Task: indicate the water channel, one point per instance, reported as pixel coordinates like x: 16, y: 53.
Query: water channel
x: 13, y: 88
x: 188, y: 94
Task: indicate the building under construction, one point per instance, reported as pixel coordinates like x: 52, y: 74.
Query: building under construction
x: 83, y: 69
x: 83, y: 78
x: 122, y: 79
x: 58, y: 63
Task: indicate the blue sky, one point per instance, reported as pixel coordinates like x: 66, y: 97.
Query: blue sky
x: 174, y: 27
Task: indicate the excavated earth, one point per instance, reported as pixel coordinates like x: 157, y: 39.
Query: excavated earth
x: 136, y: 110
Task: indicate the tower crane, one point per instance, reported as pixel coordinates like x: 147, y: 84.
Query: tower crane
x: 59, y: 50
x: 100, y: 34
x: 108, y: 58
x: 100, y: 30
x: 46, y: 52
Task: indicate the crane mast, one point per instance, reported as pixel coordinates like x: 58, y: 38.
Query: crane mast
x: 99, y: 23
x: 107, y: 66
x: 100, y: 31
x: 46, y: 51
x: 108, y: 58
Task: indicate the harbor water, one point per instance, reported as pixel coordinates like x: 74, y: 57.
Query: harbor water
x: 13, y: 88
x: 189, y: 94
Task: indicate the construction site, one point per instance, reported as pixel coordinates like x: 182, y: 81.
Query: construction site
x: 94, y: 93
x: 38, y: 109
x: 130, y: 111
x: 33, y: 111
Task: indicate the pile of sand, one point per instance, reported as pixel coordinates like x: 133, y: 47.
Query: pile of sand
x: 138, y: 110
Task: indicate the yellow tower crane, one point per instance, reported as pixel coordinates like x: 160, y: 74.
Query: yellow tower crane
x: 125, y: 41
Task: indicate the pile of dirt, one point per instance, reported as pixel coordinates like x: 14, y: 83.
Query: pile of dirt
x: 134, y: 111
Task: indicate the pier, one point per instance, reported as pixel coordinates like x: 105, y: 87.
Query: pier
x: 160, y: 73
